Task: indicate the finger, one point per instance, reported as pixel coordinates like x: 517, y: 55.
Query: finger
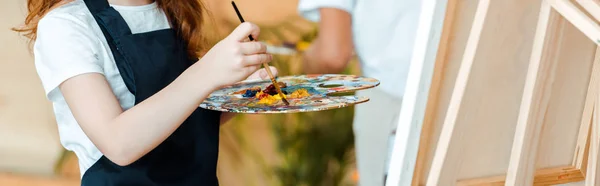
x: 256, y: 59
x: 254, y: 75
x: 251, y: 69
x: 253, y: 48
x: 243, y: 31
x: 255, y: 33
x: 264, y: 75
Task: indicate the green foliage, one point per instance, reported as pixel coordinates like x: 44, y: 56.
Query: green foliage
x: 316, y: 147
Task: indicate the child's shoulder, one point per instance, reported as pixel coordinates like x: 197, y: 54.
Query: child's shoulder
x: 73, y: 7
x: 69, y: 12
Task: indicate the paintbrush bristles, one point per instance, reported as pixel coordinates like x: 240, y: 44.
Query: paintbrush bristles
x: 276, y: 85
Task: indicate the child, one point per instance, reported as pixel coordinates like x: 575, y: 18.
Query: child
x: 125, y: 82
x: 382, y: 32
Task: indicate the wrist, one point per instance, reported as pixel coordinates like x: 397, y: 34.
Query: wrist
x: 200, y: 80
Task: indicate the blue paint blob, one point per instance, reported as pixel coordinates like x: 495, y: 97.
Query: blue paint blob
x: 250, y: 93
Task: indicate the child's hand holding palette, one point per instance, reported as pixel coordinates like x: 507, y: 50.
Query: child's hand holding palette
x: 305, y: 93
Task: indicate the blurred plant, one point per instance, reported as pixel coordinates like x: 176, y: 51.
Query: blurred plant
x: 316, y: 147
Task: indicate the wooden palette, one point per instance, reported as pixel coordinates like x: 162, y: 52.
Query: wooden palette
x: 321, y: 87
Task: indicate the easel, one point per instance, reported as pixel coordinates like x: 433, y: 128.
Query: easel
x: 547, y: 88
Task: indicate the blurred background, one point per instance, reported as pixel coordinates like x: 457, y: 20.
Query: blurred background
x: 263, y: 150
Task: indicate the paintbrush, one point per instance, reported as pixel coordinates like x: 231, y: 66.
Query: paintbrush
x: 264, y: 64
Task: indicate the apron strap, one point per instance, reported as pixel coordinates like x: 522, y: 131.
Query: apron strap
x: 113, y: 27
x: 96, y: 6
x: 108, y: 18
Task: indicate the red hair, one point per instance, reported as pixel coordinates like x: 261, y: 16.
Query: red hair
x: 186, y: 17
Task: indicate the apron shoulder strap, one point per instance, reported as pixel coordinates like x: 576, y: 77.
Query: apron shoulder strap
x: 113, y: 27
x: 96, y: 6
x: 108, y: 18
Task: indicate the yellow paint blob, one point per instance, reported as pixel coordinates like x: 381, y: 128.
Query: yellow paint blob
x: 269, y: 100
x: 300, y: 93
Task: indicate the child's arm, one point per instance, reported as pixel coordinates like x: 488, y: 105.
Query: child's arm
x: 332, y: 50
x: 124, y: 137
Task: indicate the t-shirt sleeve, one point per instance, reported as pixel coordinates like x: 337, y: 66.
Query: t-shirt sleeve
x: 309, y: 9
x: 65, y: 47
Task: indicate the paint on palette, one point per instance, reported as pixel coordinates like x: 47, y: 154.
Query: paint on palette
x: 242, y: 97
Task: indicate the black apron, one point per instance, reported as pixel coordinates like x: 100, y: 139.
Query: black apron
x: 148, y: 62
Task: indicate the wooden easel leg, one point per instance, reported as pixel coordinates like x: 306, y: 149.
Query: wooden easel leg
x: 592, y: 177
x: 536, y: 96
x: 592, y: 164
x: 429, y: 40
x: 583, y: 138
x: 434, y: 93
x: 446, y: 153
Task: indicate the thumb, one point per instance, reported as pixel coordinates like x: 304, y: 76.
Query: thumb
x: 264, y: 75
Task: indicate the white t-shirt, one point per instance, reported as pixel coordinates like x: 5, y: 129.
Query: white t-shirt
x: 70, y: 43
x: 384, y: 32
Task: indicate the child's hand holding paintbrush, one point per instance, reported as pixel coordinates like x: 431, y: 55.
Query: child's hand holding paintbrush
x: 264, y: 64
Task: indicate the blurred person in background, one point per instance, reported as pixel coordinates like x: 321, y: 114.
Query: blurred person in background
x: 125, y: 78
x: 382, y: 33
